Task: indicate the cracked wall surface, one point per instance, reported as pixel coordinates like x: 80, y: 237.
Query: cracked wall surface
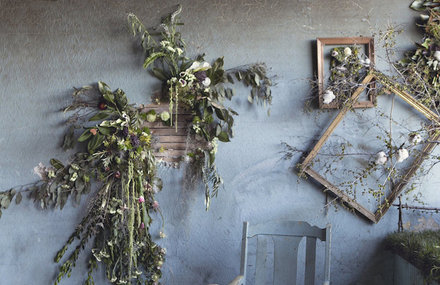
x: 48, y: 47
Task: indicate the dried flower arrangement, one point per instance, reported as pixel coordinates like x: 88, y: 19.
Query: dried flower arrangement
x: 119, y: 156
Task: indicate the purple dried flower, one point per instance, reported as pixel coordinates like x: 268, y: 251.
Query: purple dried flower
x: 124, y: 132
x: 200, y: 75
x: 134, y: 140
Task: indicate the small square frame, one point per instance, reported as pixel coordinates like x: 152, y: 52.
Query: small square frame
x: 305, y: 166
x: 368, y: 42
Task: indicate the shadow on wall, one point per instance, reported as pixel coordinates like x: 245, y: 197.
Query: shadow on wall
x: 379, y: 270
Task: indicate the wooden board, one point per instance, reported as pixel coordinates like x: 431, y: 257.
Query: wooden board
x: 170, y: 143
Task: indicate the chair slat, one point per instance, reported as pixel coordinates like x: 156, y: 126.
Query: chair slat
x: 288, y: 228
x: 328, y: 244
x: 309, y: 276
x: 285, y: 259
x: 261, y: 264
x: 244, y: 252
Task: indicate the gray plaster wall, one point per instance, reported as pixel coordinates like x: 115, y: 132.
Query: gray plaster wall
x: 48, y: 47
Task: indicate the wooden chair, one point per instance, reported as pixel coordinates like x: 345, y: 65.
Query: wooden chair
x: 286, y: 237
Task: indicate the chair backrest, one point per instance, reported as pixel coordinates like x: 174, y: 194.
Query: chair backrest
x: 286, y: 237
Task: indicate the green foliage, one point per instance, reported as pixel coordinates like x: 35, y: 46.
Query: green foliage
x: 200, y: 88
x: 423, y: 5
x: 119, y: 157
x: 420, y: 67
x: 347, y: 70
x: 422, y: 249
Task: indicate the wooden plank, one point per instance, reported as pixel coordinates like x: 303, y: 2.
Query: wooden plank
x: 335, y: 122
x: 320, y: 67
x: 172, y: 145
x: 412, y: 102
x: 160, y: 125
x: 344, y: 197
x: 261, y: 262
x: 170, y: 152
x: 346, y: 41
x: 163, y: 107
x: 285, y: 259
x: 172, y: 139
x: 309, y: 276
x: 169, y: 132
x: 429, y: 147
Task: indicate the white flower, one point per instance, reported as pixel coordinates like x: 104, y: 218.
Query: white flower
x: 415, y: 139
x: 424, y: 17
x: 347, y: 51
x: 328, y: 96
x: 199, y: 66
x: 205, y: 66
x: 194, y: 65
x: 402, y: 154
x: 125, y: 117
x: 341, y: 68
x: 187, y: 159
x: 381, y: 158
x: 214, y: 145
x: 365, y: 62
x: 171, y: 49
x: 179, y: 51
x: 40, y: 170
x: 335, y: 53
x: 182, y: 82
x: 206, y: 82
x: 164, y: 43
x: 437, y: 55
x: 74, y: 177
x: 162, y: 235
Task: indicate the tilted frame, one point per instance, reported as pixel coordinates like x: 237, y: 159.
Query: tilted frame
x: 305, y: 166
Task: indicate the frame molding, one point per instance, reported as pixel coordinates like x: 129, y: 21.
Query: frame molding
x: 321, y: 43
x: 397, y: 189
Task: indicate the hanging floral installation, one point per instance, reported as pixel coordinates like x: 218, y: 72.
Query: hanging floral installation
x: 388, y: 165
x: 200, y: 88
x: 118, y: 156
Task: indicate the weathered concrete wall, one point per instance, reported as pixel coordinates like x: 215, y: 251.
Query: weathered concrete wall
x: 47, y: 47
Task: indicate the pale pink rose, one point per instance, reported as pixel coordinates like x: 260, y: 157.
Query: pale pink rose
x: 155, y: 205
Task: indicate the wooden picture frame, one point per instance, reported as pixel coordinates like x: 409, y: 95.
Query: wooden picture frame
x: 368, y: 42
x: 305, y: 166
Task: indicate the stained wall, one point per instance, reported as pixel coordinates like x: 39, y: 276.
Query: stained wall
x: 49, y: 47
